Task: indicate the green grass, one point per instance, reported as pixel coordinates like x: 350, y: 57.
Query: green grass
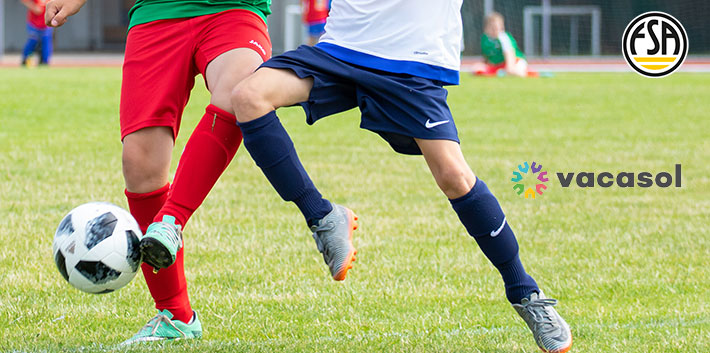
x: 629, y: 266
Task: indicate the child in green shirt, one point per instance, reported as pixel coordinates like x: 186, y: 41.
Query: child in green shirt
x: 500, y: 50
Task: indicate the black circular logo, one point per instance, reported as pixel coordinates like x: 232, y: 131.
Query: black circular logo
x: 655, y: 44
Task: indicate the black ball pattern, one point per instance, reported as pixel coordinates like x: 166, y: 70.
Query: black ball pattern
x: 96, y: 271
x: 66, y: 227
x: 61, y: 265
x: 133, y: 252
x: 99, y: 229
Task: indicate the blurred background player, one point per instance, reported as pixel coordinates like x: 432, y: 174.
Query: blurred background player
x: 168, y: 44
x: 37, y: 32
x: 315, y: 13
x: 500, y: 51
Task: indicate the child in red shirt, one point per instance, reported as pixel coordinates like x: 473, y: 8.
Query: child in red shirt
x: 37, y: 32
x: 315, y: 12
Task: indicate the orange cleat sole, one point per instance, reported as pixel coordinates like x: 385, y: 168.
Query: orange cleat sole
x: 563, y: 350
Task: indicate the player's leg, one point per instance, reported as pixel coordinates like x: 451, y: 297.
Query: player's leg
x: 214, y: 141
x: 226, y: 53
x: 33, y: 36
x: 157, y: 79
x: 47, y: 45
x: 267, y: 90
x: 208, y: 152
x: 146, y: 159
x: 255, y: 101
x: 400, y: 108
x: 519, y: 67
x: 146, y: 164
x: 481, y: 214
x: 524, y: 68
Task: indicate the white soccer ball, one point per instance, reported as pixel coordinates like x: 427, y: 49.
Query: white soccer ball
x: 96, y: 247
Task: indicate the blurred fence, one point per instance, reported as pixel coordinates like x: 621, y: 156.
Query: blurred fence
x: 541, y: 27
x: 580, y: 27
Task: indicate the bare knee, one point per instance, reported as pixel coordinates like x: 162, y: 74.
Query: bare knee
x: 454, y: 181
x: 221, y: 98
x: 222, y: 90
x: 448, y: 165
x: 146, y: 159
x: 226, y: 71
x: 249, y: 101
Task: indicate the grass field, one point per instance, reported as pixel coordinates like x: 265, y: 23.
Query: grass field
x: 629, y: 265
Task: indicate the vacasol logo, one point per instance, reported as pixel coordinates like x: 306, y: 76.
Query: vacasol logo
x: 530, y: 180
x: 621, y: 179
x: 655, y: 44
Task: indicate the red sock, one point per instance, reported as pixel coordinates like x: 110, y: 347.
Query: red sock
x: 168, y: 287
x: 207, y: 154
x: 144, y: 206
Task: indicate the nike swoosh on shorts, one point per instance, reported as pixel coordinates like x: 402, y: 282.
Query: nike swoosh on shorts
x: 430, y: 125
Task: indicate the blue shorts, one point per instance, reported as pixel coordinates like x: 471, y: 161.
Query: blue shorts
x: 316, y: 29
x: 398, y: 107
x: 37, y: 33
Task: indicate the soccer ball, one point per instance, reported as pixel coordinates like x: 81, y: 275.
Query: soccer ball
x: 96, y: 247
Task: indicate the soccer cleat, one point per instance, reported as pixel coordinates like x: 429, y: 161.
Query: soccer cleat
x: 163, y: 327
x: 334, y: 237
x: 551, y: 332
x: 161, y: 242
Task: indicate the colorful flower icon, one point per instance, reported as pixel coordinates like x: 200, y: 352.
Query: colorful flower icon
x: 533, y: 169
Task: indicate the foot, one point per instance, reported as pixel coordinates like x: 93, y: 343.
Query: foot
x: 161, y: 243
x: 551, y: 332
x: 333, y: 235
x: 163, y: 327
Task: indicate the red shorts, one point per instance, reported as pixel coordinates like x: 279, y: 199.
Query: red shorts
x: 491, y: 69
x: 163, y: 57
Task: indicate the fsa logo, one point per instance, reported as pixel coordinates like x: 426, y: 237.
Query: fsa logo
x: 655, y: 44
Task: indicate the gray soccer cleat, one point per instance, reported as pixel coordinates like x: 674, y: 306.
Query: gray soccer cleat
x: 551, y: 332
x: 333, y: 235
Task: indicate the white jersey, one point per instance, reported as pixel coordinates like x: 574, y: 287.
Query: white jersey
x: 417, y: 37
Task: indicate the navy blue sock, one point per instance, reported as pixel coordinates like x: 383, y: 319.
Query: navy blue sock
x: 271, y: 148
x: 484, y: 220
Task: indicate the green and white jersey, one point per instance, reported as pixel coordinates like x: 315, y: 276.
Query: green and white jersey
x: 145, y: 11
x: 493, y: 48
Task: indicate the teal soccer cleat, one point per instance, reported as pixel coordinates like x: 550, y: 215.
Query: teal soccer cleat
x: 161, y: 242
x: 163, y: 327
